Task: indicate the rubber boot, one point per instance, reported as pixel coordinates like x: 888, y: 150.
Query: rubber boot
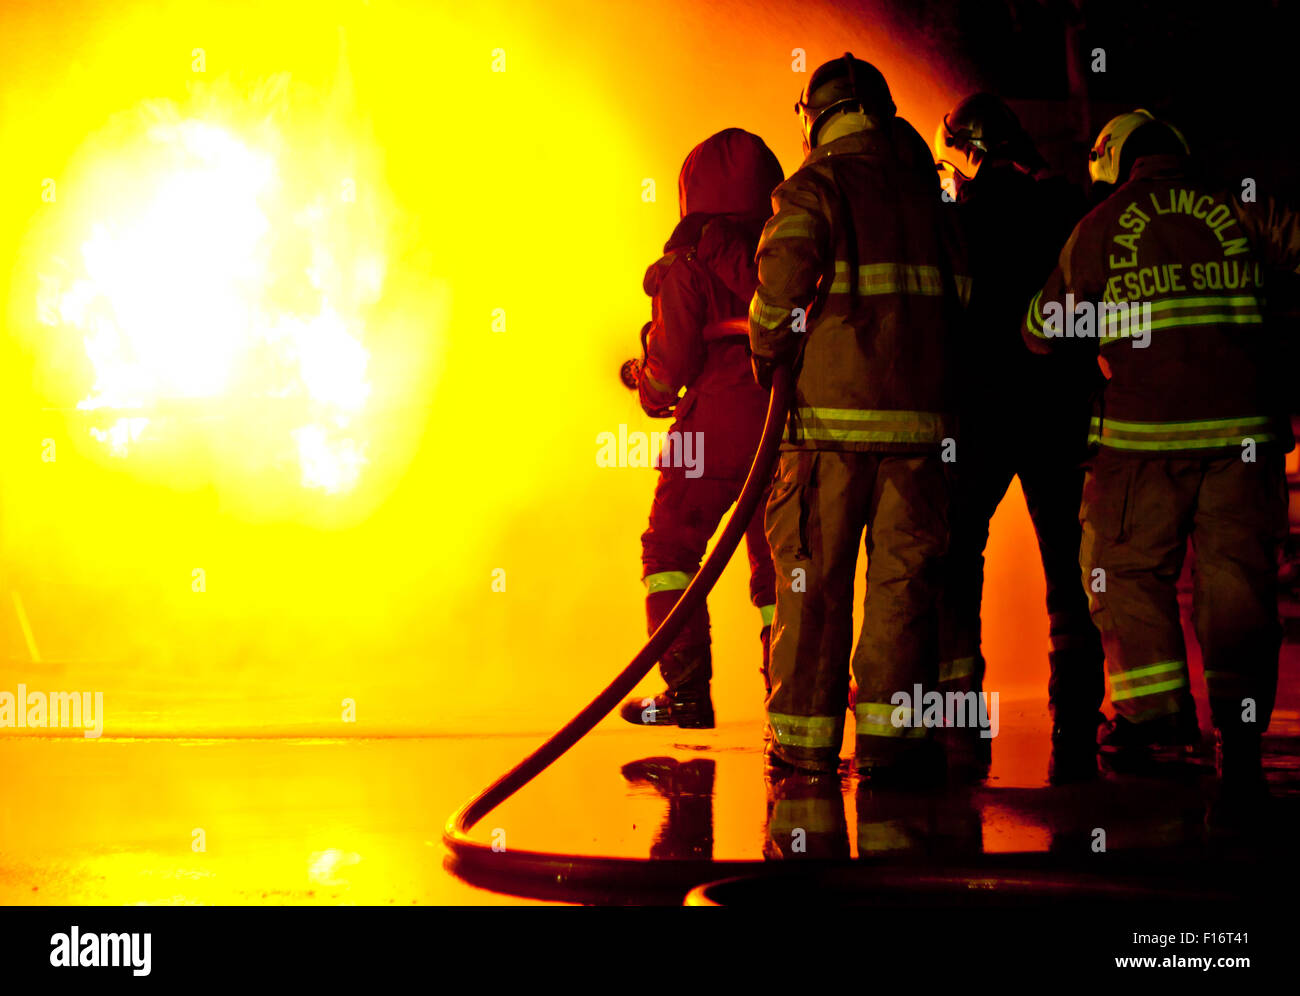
x: 1171, y: 737
x: 920, y: 765
x: 685, y: 703
x: 1074, y: 751
x: 1242, y: 803
x: 969, y: 755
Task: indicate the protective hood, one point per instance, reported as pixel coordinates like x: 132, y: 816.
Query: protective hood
x: 732, y: 172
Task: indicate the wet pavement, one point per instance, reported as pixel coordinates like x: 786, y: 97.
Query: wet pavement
x: 247, y: 821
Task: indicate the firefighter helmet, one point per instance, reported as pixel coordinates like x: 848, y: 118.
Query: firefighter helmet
x: 838, y: 85
x: 1104, y: 158
x: 980, y: 127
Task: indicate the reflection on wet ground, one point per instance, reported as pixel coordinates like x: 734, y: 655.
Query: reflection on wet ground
x: 360, y: 821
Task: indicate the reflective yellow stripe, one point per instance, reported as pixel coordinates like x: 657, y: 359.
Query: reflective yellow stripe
x: 812, y: 815
x: 793, y: 227
x: 655, y: 384
x: 876, y: 719
x: 889, y: 278
x: 1131, y: 691
x: 1238, y: 309
x: 764, y: 315
x: 667, y: 581
x: 1033, y: 317
x: 767, y: 613
x: 963, y: 287
x: 1203, y: 434
x: 883, y: 835
x: 807, y: 731
x: 1164, y: 667
x: 863, y: 425
x: 960, y: 667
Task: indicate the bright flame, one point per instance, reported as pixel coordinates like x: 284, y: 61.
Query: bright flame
x: 207, y: 289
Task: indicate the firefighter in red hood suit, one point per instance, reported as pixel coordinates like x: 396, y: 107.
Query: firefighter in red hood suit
x: 698, y: 340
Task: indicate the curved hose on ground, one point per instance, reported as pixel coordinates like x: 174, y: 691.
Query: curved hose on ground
x: 456, y: 833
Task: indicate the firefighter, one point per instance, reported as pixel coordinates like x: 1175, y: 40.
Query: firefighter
x: 1188, y: 445
x: 858, y: 270
x: 1016, y: 215
x: 697, y: 340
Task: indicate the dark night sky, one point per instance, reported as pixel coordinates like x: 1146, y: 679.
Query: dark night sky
x: 1223, y: 72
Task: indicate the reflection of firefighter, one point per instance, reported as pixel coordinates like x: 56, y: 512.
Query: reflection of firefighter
x: 1021, y: 415
x: 697, y: 340
x: 1188, y: 443
x: 897, y: 823
x: 860, y: 241
x: 805, y: 816
x: 687, y: 787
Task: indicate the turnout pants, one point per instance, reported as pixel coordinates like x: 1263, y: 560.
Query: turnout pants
x: 821, y: 504
x: 685, y: 513
x: 1138, y: 514
x: 1052, y: 482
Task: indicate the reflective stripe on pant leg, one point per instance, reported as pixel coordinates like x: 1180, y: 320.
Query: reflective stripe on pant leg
x: 959, y: 673
x: 907, y: 537
x: 667, y: 581
x: 812, y: 531
x: 813, y: 732
x: 883, y: 719
x: 1149, y: 692
x: 1241, y: 518
x: 806, y: 819
x: 1136, y: 516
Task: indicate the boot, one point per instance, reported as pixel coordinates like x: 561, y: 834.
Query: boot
x: 919, y: 765
x: 688, y: 710
x: 969, y: 755
x: 1167, y: 738
x: 1074, y: 751
x: 1243, y: 800
x: 685, y: 703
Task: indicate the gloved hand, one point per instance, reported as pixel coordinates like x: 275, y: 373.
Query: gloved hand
x: 630, y: 373
x: 763, y: 370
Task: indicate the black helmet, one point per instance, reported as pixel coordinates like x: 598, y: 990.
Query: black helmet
x: 982, y: 127
x: 840, y: 84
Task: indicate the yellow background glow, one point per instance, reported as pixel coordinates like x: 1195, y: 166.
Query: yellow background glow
x: 349, y: 345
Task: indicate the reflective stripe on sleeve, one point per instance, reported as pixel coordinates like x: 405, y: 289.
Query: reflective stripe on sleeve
x: 889, y: 278
x: 765, y: 316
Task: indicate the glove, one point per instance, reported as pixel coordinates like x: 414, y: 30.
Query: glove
x: 763, y: 370
x: 630, y: 374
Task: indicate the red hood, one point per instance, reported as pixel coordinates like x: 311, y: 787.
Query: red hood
x: 731, y: 172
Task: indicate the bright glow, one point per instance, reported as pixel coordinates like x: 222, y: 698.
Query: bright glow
x: 179, y: 298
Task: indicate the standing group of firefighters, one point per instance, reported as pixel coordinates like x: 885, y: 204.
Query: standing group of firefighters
x: 1148, y: 418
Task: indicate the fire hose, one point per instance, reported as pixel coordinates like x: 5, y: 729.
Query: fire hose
x: 471, y: 855
x: 993, y: 882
